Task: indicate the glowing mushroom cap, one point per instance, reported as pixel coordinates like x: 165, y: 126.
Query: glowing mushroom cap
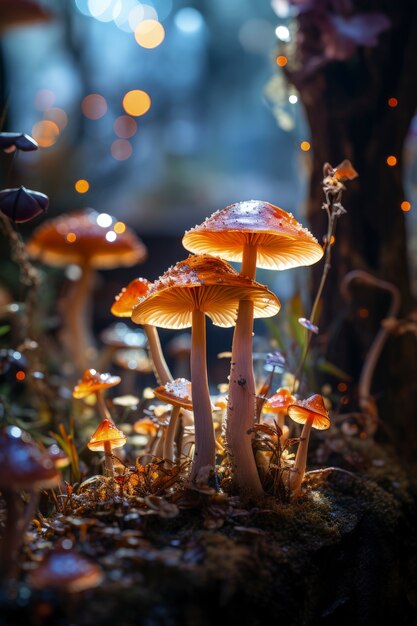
x: 280, y: 401
x: 129, y: 297
x: 65, y: 569
x: 23, y: 465
x: 92, y: 381
x: 145, y: 426
x: 312, y: 409
x: 85, y: 238
x: 208, y: 284
x: 281, y: 241
x: 177, y: 393
x: 107, y: 432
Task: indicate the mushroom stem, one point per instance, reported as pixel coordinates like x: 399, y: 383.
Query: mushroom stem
x: 79, y: 337
x: 12, y: 535
x: 242, y: 404
x: 102, y: 407
x: 168, y: 451
x: 161, y: 370
x: 108, y: 461
x: 299, y: 469
x: 205, y: 445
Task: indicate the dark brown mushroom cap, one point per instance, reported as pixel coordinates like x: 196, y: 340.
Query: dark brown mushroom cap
x: 310, y: 409
x: 66, y: 570
x: 93, y: 381
x: 78, y: 238
x: 208, y: 284
x: 23, y: 465
x: 129, y: 297
x: 21, y: 12
x: 107, y: 432
x: 177, y: 393
x: 281, y: 241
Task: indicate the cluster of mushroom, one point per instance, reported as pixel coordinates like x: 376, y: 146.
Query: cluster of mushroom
x: 257, y: 234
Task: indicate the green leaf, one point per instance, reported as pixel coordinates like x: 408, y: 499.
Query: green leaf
x: 4, y: 330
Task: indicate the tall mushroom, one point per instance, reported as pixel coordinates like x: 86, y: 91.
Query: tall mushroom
x: 122, y: 307
x: 92, y: 241
x: 94, y: 382
x: 198, y: 286
x: 258, y: 234
x: 104, y: 439
x: 313, y: 414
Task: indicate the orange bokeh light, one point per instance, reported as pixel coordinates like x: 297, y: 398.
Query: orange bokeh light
x: 392, y: 102
x: 45, y: 133
x: 58, y: 116
x: 363, y: 313
x: 82, y: 185
x: 20, y: 375
x: 342, y: 387
x: 281, y: 60
x: 94, y: 106
x: 125, y: 126
x: 405, y: 206
x: 391, y: 160
x: 121, y: 149
x: 119, y: 228
x: 136, y: 102
x: 149, y: 34
x: 305, y: 146
x: 71, y: 237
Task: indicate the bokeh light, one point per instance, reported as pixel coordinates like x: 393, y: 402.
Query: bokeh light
x: 45, y: 133
x: 94, y: 106
x: 58, y: 116
x: 281, y: 60
x: 305, y: 146
x: 125, y: 126
x: 121, y: 149
x: 20, y: 375
x: 189, y: 21
x: 405, y: 206
x: 136, y: 102
x: 391, y: 160
x: 44, y: 99
x: 71, y: 237
x: 149, y: 34
x: 82, y: 185
x: 119, y: 227
x: 392, y: 102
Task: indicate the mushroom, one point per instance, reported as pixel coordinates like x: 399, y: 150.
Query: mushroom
x: 198, y: 286
x: 178, y: 394
x: 278, y: 404
x: 12, y: 142
x: 23, y: 466
x: 105, y: 438
x: 122, y: 307
x: 258, y: 234
x: 88, y: 239
x: 65, y: 570
x: 94, y: 382
x: 312, y: 413
x: 119, y: 336
x: 22, y: 205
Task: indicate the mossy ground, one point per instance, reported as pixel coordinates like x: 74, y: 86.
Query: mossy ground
x: 343, y: 553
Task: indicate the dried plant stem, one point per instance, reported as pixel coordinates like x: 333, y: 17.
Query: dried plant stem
x: 205, y: 444
x: 168, y: 451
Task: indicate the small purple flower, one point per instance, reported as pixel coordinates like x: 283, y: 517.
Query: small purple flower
x: 10, y: 142
x: 309, y: 325
x: 22, y: 205
x: 275, y: 360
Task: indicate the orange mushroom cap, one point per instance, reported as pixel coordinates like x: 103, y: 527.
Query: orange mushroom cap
x: 281, y: 241
x: 107, y: 432
x: 310, y: 409
x: 177, y: 393
x: 208, y: 284
x: 145, y: 426
x: 129, y: 297
x: 77, y: 237
x: 67, y: 570
x: 280, y: 401
x: 93, y: 381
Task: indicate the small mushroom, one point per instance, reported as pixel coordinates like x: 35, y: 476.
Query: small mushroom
x: 65, y: 570
x: 313, y: 414
x: 11, y: 142
x: 105, y: 438
x: 278, y: 404
x: 257, y: 234
x: 178, y: 394
x: 94, y: 382
x: 23, y: 466
x: 123, y: 305
x: 88, y: 239
x: 22, y: 205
